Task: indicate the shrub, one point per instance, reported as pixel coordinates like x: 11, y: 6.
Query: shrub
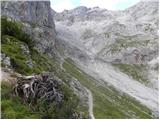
x: 20, y: 66
x: 14, y: 29
x: 12, y: 48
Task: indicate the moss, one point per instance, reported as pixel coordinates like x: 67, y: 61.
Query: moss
x: 135, y: 71
x: 108, y: 102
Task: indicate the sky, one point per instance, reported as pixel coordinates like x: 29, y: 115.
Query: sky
x: 60, y: 5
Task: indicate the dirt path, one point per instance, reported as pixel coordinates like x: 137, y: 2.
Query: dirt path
x: 90, y: 104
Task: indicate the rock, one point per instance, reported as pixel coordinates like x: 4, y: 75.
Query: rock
x: 3, y: 56
x: 95, y: 37
x: 114, y: 37
x: 5, y: 60
x: 34, y: 12
x: 29, y: 63
x: 26, y: 52
x: 37, y: 21
x: 25, y: 49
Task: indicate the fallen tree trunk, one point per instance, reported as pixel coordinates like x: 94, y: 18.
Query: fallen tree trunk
x: 42, y: 87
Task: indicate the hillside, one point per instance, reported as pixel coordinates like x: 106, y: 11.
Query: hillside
x: 81, y: 63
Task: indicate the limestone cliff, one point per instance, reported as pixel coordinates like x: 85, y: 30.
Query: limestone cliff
x: 37, y: 21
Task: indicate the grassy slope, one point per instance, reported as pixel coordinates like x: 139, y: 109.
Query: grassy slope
x: 104, y: 107
x: 11, y: 107
x: 41, y: 62
x: 12, y: 39
x: 135, y: 71
x: 108, y: 102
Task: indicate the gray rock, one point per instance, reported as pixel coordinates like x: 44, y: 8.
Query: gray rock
x: 34, y: 12
x: 114, y: 37
x: 93, y: 35
x: 5, y: 60
x: 2, y: 56
x: 29, y: 63
x: 37, y: 21
x: 25, y: 49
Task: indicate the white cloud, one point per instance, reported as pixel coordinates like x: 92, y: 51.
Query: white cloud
x: 61, y: 5
x: 108, y: 4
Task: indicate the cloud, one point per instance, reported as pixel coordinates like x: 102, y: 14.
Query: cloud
x: 60, y: 5
x: 109, y: 4
x: 123, y: 4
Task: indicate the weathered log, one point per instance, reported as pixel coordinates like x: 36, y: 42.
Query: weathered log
x: 41, y: 87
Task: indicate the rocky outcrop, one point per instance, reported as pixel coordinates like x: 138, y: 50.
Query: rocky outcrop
x: 83, y: 13
x: 37, y: 21
x: 32, y: 12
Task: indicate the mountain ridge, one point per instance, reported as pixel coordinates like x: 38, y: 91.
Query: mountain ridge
x: 125, y: 39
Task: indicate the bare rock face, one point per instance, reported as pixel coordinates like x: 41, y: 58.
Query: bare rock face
x: 99, y: 37
x: 37, y: 21
x: 31, y: 12
x: 129, y: 36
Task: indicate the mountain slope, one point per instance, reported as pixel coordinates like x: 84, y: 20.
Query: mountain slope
x: 95, y: 39
x: 26, y: 54
x: 107, y: 101
x: 103, y: 63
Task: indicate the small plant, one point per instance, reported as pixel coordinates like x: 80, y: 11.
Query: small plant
x: 12, y: 48
x: 14, y: 29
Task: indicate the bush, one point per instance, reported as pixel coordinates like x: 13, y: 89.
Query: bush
x: 12, y: 48
x: 62, y: 110
x: 20, y: 66
x: 14, y: 29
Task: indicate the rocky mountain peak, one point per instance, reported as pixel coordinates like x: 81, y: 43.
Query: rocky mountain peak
x: 79, y: 10
x: 145, y: 10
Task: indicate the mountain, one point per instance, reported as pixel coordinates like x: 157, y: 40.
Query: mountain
x: 35, y: 15
x: 116, y: 37
x: 104, y: 43
x: 80, y: 63
x: 33, y: 83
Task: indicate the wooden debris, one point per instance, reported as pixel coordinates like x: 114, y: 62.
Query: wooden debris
x: 42, y: 87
